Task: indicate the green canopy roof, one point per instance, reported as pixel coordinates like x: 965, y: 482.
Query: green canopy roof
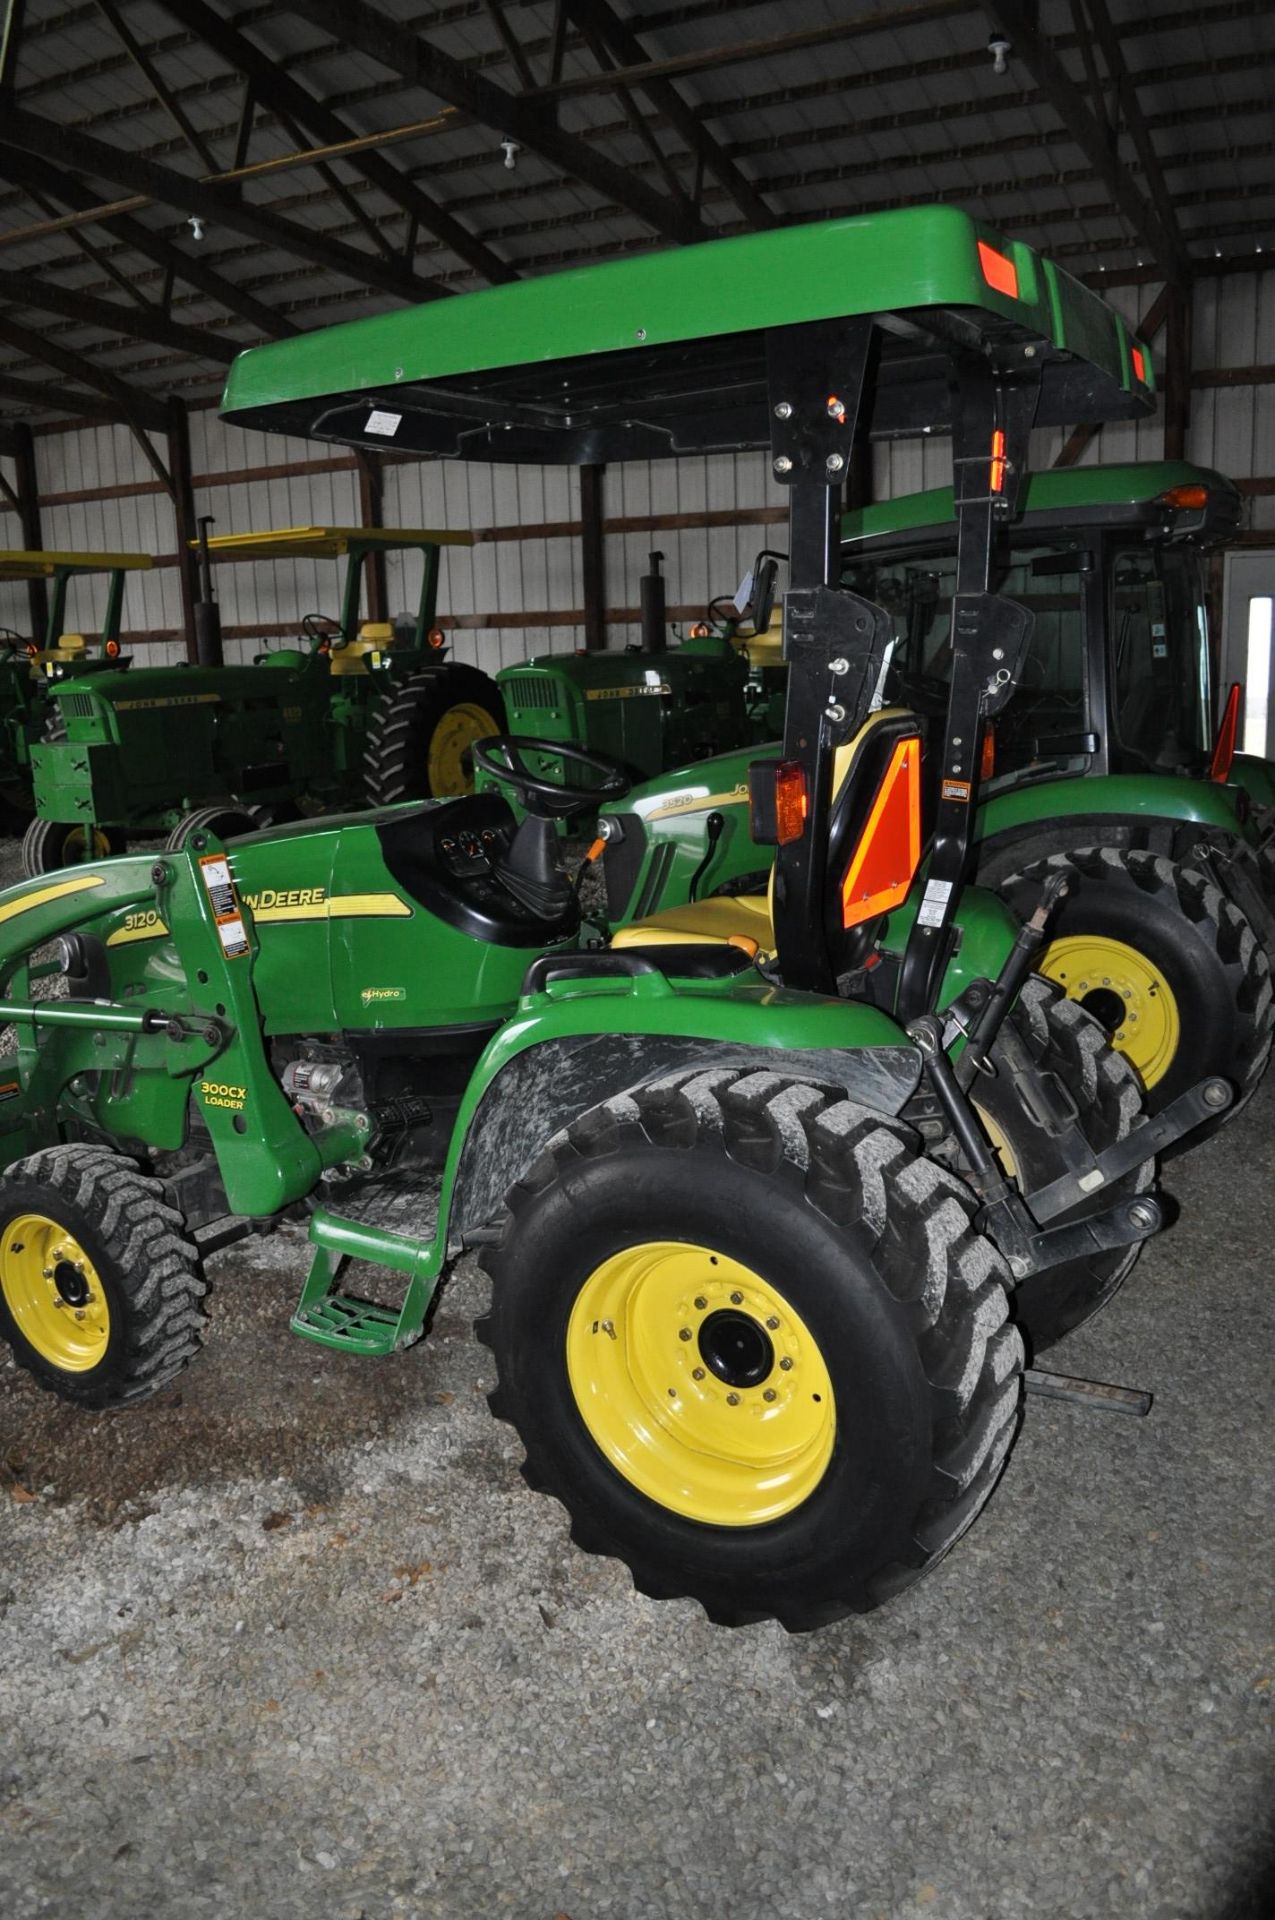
x: 1070, y: 497
x: 666, y: 352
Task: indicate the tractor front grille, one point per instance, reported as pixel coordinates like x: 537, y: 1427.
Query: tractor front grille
x: 80, y: 706
x: 526, y: 690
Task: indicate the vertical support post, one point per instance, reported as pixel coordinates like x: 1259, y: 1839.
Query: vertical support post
x: 371, y: 514
x: 593, y: 558
x: 114, y: 608
x: 183, y: 497
x: 28, y: 491
x: 991, y: 427
x: 1177, y: 373
x: 815, y: 377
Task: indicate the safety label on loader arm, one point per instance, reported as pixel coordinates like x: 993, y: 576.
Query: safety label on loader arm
x: 214, y: 870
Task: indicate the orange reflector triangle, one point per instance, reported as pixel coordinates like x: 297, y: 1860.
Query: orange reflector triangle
x: 1227, y: 735
x: 998, y: 270
x: 889, y: 851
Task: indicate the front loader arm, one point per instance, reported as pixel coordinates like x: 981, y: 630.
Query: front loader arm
x: 136, y: 1058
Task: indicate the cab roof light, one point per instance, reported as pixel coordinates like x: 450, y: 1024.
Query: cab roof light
x: 1139, y: 364
x: 1186, y: 496
x: 1228, y: 734
x: 999, y: 271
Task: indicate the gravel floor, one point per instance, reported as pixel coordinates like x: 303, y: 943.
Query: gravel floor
x: 295, y: 1639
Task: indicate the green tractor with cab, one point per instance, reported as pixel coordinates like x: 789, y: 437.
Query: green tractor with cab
x: 1107, y: 763
x: 361, y: 714
x: 30, y: 669
x: 770, y: 1204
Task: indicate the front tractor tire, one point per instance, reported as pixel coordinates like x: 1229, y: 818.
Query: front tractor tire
x: 1168, y: 965
x: 752, y: 1344
x: 49, y: 845
x: 420, y: 733
x: 101, y: 1289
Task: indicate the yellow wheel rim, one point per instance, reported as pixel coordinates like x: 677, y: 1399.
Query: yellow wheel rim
x: 1128, y: 994
x: 700, y: 1384
x: 85, y: 844
x: 54, y: 1294
x: 458, y: 729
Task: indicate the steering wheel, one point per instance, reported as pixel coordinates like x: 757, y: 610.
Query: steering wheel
x: 320, y: 627
x: 503, y: 755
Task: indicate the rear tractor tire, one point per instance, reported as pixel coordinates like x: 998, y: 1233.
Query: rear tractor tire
x: 227, y: 821
x: 101, y: 1288
x: 752, y: 1344
x: 49, y: 845
x: 1170, y: 968
x: 420, y: 732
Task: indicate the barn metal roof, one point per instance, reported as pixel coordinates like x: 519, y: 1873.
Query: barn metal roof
x: 483, y: 141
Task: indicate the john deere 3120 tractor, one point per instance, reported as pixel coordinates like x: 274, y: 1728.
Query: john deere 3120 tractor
x: 359, y: 715
x: 769, y: 1204
x: 1107, y: 762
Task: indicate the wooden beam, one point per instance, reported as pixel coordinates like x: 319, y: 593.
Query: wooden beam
x: 274, y: 86
x: 599, y: 16
x: 36, y: 175
x: 525, y: 117
x: 1039, y: 57
x: 139, y: 408
x: 211, y: 201
x: 137, y: 323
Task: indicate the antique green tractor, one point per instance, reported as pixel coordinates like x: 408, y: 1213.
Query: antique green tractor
x: 649, y: 707
x: 1107, y: 762
x: 30, y: 668
x: 361, y: 714
x: 769, y: 1203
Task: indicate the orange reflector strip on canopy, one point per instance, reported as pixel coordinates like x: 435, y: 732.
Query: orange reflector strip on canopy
x: 889, y: 850
x: 996, y: 478
x: 987, y: 763
x: 998, y: 271
x: 1139, y: 364
x: 1227, y: 735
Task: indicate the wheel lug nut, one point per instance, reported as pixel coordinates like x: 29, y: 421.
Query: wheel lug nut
x: 737, y: 1299
x: 786, y: 1364
x: 700, y: 1302
x: 773, y: 1322
x: 697, y: 1373
x: 770, y: 1394
x: 684, y: 1334
x: 732, y: 1399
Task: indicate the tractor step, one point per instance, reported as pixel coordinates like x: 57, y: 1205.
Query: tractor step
x: 387, y: 1224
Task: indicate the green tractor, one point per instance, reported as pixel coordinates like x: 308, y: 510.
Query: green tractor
x: 656, y: 705
x: 1106, y: 762
x: 767, y: 1223
x: 360, y: 715
x: 29, y: 669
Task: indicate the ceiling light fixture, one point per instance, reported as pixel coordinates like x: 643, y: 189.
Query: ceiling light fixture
x: 998, y: 46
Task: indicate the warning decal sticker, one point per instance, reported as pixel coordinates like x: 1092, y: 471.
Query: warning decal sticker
x: 214, y: 869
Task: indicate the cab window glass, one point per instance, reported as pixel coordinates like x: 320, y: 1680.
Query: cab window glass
x: 1160, y: 655
x: 1047, y: 713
